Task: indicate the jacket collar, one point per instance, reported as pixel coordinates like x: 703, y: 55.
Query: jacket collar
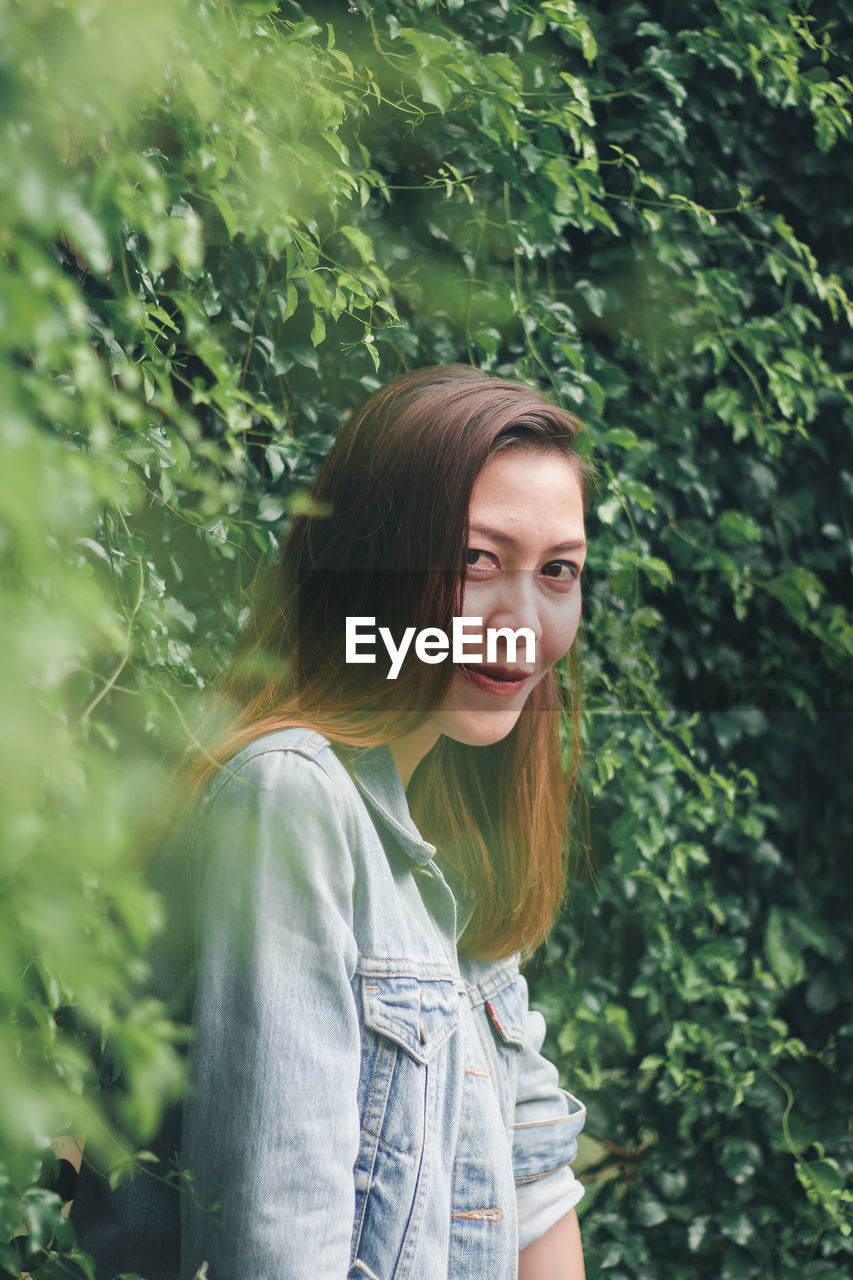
x: 375, y: 774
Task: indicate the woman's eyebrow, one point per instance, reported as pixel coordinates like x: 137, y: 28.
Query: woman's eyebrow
x: 499, y: 536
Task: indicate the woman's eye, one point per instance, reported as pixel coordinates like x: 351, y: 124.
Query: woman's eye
x: 561, y: 572
x: 481, y: 561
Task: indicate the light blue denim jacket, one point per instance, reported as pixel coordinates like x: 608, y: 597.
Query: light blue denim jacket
x: 363, y: 1102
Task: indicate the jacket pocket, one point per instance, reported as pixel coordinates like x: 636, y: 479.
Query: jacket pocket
x: 505, y: 1009
x: 409, y: 1024
x: 408, y: 1021
x: 420, y: 1016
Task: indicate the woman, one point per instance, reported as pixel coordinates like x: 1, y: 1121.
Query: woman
x: 366, y: 1094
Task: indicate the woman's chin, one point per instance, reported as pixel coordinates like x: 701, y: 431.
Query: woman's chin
x: 479, y: 728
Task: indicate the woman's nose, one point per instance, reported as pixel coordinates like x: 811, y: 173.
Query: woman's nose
x: 516, y: 603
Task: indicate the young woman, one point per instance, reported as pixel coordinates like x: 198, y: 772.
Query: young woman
x: 367, y: 1097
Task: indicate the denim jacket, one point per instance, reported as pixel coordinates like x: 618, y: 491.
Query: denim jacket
x: 362, y: 1102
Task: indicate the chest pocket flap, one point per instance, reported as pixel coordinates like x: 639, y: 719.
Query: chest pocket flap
x: 505, y: 1010
x: 419, y: 1014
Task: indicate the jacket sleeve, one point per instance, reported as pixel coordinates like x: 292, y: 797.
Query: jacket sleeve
x: 270, y: 1128
x: 544, y: 1139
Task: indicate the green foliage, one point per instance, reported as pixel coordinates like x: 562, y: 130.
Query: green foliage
x: 224, y: 224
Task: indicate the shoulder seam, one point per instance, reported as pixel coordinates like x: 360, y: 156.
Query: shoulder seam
x: 310, y: 751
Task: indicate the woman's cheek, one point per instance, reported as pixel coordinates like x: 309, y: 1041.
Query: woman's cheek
x: 562, y: 627
x: 478, y: 600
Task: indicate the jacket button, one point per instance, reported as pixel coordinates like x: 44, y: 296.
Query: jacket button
x: 423, y: 1031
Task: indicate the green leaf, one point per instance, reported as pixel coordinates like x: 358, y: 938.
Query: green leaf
x: 537, y: 27
x: 435, y: 88
x: 657, y: 571
x: 609, y: 509
x: 622, y: 437
x: 360, y: 242
x: 318, y: 329
x: 783, y: 956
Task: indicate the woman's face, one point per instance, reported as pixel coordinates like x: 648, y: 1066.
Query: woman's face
x: 526, y: 549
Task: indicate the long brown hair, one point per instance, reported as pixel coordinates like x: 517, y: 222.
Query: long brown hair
x: 385, y: 537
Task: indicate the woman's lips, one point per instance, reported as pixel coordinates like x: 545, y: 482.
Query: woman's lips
x: 503, y: 682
